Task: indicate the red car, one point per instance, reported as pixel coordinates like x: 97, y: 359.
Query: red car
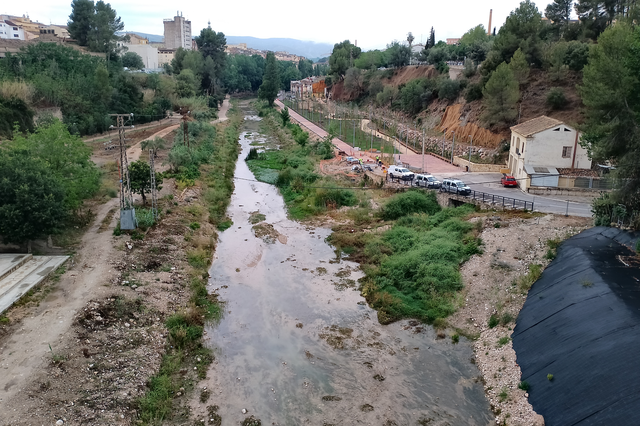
x: 509, y: 181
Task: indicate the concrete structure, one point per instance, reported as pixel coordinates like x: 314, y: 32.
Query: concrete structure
x: 149, y: 54
x: 453, y: 40
x: 540, y: 146
x: 177, y: 33
x: 19, y: 273
x: 165, y: 56
x: 10, y: 30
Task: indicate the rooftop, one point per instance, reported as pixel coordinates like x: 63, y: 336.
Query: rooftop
x: 535, y: 125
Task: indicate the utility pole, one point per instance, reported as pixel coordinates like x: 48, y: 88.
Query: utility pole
x: 154, y: 192
x: 470, y: 147
x: 127, y: 212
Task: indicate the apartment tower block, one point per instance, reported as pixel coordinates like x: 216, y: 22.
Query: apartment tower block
x: 177, y: 33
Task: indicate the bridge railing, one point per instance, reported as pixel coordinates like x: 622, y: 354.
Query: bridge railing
x: 499, y: 200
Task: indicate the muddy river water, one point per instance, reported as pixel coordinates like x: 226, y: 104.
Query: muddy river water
x: 298, y: 345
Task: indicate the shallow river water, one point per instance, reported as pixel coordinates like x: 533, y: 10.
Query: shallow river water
x: 297, y: 343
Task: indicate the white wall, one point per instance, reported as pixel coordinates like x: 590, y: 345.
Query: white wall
x: 8, y: 32
x: 149, y: 54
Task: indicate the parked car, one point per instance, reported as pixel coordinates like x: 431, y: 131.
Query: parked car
x: 509, y: 181
x: 399, y: 172
x: 427, y: 181
x: 455, y: 186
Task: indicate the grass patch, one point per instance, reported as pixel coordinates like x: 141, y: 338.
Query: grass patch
x: 503, y: 395
x: 184, y: 350
x: 526, y: 281
x: 493, y: 321
x: 412, y: 269
x: 503, y: 341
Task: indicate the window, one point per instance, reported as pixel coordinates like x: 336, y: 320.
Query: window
x: 556, y: 130
x: 566, y: 151
x: 16, y: 35
x: 566, y: 130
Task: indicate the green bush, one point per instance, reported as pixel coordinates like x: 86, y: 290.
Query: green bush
x: 412, y: 201
x: 449, y: 89
x: 493, y: 321
x: 556, y: 98
x: 145, y: 218
x: 182, y: 333
x: 524, y: 385
x: 473, y: 92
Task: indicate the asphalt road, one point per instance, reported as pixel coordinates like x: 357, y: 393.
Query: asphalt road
x: 490, y: 183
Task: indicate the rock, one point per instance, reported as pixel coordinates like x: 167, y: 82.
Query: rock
x: 244, y: 411
x: 59, y: 422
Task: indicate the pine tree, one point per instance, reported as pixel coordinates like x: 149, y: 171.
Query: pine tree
x: 610, y: 93
x: 270, y: 81
x: 519, y: 66
x: 500, y: 95
x: 81, y: 20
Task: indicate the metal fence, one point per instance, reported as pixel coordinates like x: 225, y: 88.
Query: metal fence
x: 499, y: 200
x: 593, y: 183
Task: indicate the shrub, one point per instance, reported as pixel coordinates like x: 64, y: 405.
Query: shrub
x: 455, y: 338
x: 413, y: 201
x: 448, y: 89
x: 145, y: 218
x: 473, y: 92
x: 493, y: 321
x: 506, y: 318
x: 503, y: 395
x: 503, y: 341
x: 524, y: 385
x: 556, y: 98
x: 550, y: 377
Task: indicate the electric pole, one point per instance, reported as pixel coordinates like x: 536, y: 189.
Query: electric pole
x: 127, y: 212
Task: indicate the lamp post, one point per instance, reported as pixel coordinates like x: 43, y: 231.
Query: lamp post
x: 453, y: 144
x: 470, y: 147
x: 423, y: 169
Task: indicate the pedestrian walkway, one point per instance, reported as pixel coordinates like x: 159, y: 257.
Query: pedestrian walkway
x: 431, y: 164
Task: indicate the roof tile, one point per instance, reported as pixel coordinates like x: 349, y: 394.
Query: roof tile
x: 535, y: 125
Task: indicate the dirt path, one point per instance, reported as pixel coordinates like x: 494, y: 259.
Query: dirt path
x: 26, y: 351
x: 222, y: 113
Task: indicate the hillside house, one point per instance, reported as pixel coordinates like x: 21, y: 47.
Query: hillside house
x: 541, y: 146
x: 11, y: 31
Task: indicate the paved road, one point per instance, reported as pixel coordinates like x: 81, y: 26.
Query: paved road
x: 490, y: 183
x: 484, y: 182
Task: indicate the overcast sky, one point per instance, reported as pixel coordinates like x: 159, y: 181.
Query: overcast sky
x: 372, y: 23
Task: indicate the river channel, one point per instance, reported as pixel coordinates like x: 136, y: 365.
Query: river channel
x: 298, y: 345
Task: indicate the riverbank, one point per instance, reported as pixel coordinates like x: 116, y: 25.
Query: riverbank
x: 126, y: 318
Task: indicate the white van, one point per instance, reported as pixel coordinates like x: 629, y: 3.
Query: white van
x: 399, y: 172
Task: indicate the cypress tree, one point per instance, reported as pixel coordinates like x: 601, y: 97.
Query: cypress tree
x: 270, y: 81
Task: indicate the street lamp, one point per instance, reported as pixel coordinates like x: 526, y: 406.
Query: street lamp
x: 453, y: 144
x: 470, y: 147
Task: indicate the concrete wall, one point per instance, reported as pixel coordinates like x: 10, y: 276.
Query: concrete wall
x: 149, y: 54
x: 584, y: 192
x: 476, y: 167
x: 177, y: 33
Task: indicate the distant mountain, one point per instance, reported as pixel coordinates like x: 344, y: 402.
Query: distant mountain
x: 152, y: 37
x: 308, y: 49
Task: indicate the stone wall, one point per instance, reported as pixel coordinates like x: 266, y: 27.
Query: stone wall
x: 476, y: 167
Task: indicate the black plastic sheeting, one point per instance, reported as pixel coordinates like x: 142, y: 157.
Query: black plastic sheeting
x: 581, y: 323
